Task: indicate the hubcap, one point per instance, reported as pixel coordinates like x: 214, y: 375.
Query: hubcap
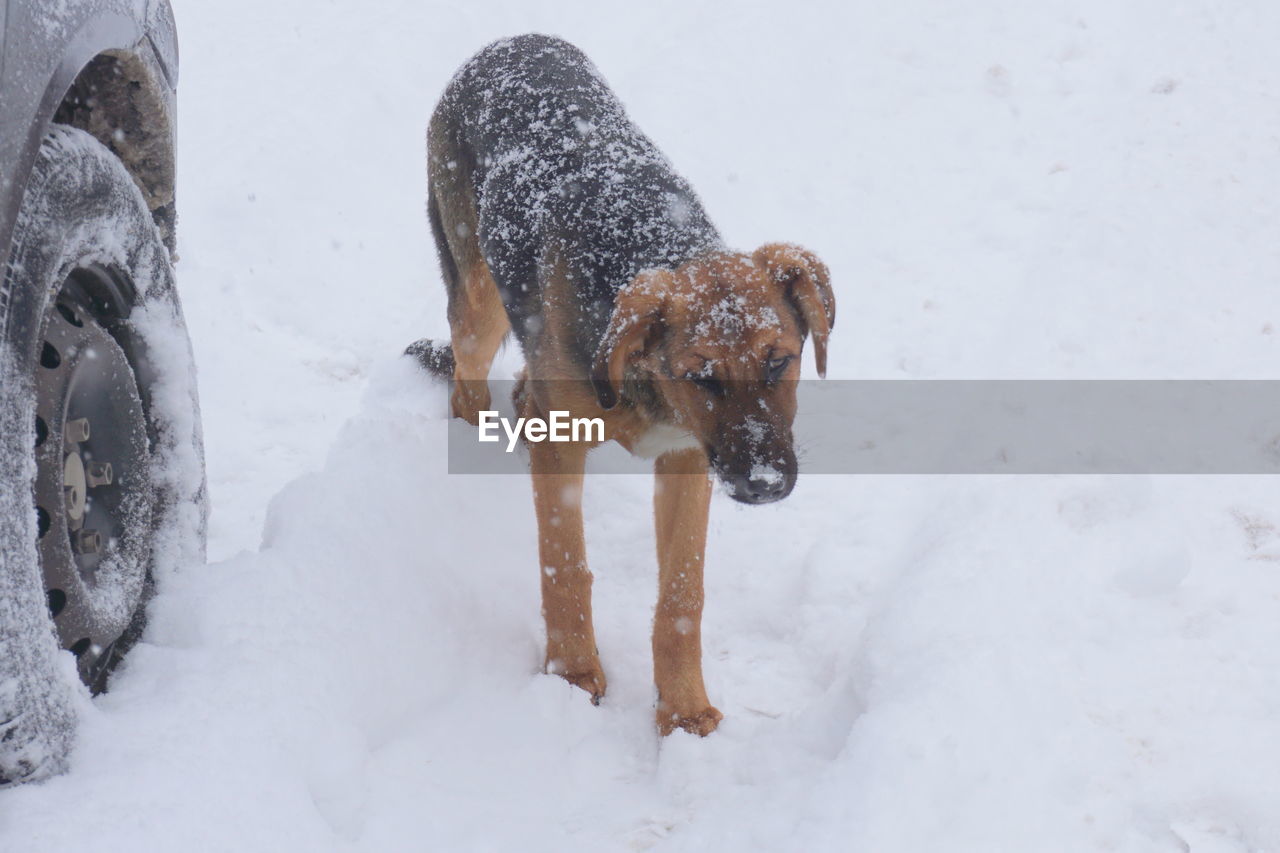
x: 93, y: 483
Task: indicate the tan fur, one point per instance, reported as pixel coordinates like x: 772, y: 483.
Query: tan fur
x: 566, y: 582
x: 654, y: 334
x: 478, y: 323
x: 810, y: 289
x: 681, y: 499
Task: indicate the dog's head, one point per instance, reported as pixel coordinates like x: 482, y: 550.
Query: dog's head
x: 716, y: 345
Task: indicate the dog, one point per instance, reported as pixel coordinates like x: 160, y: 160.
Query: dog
x: 557, y: 220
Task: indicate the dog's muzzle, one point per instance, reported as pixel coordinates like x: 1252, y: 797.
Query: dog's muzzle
x: 757, y: 471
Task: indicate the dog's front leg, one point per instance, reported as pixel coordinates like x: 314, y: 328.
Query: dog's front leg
x: 682, y: 497
x: 566, y: 582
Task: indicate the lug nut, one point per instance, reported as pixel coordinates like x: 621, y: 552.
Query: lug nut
x: 74, y: 486
x: 77, y: 430
x: 87, y: 541
x: 98, y: 474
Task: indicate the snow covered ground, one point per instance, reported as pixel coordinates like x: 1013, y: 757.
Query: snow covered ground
x: 1002, y: 190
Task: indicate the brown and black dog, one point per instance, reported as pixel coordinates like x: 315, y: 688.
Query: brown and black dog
x: 556, y: 218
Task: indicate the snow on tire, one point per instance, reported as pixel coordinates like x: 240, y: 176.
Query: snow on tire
x: 82, y: 212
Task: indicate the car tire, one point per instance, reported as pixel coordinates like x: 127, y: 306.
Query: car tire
x: 101, y: 465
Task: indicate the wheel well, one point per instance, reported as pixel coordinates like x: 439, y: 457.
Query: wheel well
x: 119, y: 100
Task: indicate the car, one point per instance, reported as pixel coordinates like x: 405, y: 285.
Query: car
x: 102, y: 486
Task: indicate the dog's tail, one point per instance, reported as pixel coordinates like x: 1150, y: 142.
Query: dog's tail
x: 435, y: 358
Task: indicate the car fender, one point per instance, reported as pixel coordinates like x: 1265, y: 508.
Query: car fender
x: 39, y: 70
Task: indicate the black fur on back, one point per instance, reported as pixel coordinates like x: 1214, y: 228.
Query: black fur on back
x: 531, y: 148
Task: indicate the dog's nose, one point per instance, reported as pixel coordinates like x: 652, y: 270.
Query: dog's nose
x: 766, y: 489
x: 761, y: 489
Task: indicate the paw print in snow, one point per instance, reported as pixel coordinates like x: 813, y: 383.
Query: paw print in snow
x: 1260, y: 535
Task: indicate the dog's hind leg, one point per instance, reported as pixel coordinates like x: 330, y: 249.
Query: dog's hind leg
x: 478, y: 323
x: 682, y: 497
x: 477, y: 319
x: 437, y: 358
x: 557, y: 470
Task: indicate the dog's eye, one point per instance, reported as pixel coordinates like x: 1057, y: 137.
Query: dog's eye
x: 709, y: 384
x: 775, y: 367
x: 706, y: 381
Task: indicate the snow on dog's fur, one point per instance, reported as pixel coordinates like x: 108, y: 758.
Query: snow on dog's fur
x: 558, y: 220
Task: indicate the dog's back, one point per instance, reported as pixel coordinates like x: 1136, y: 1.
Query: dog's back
x: 534, y: 163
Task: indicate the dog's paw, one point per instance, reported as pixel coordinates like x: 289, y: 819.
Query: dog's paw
x: 436, y: 358
x: 699, y: 722
x: 587, y: 674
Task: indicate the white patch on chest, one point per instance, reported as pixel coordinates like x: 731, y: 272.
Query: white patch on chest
x: 663, y: 438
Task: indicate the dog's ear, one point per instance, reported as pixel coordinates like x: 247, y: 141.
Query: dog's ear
x: 636, y: 320
x: 808, y: 284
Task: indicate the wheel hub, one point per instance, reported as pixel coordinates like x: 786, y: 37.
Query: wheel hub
x: 93, y: 488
